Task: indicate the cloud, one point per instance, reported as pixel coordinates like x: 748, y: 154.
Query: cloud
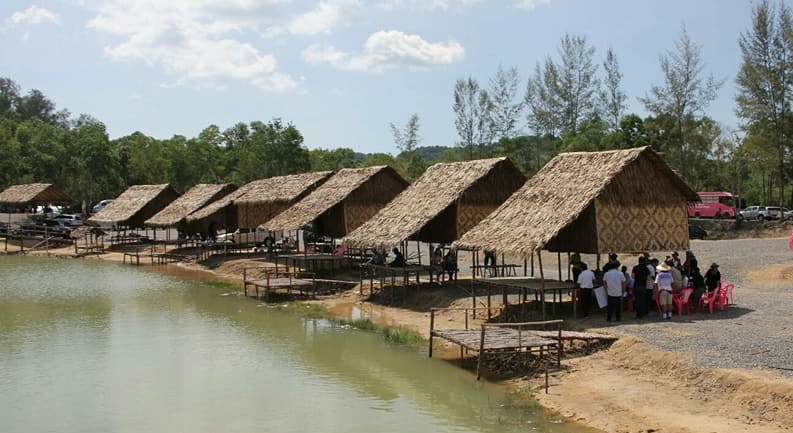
x: 323, y: 19
x: 530, y: 4
x: 425, y: 4
x: 35, y: 15
x: 200, y: 42
x: 387, y: 50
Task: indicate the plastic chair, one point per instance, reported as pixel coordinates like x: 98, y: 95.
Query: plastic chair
x: 722, y: 295
x: 681, y: 299
x: 708, y: 298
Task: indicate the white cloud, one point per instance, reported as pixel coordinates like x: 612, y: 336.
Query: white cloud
x: 35, y: 15
x: 201, y: 42
x: 530, y: 4
x: 323, y: 19
x: 387, y: 50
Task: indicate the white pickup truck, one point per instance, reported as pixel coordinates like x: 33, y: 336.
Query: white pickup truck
x: 247, y: 235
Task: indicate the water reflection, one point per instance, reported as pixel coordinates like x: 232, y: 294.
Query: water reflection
x: 105, y: 347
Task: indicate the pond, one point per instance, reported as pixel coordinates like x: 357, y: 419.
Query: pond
x: 87, y: 346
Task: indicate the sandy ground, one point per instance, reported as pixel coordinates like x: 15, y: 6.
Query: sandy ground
x: 630, y: 387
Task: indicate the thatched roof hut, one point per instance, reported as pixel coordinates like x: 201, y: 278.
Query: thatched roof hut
x: 34, y: 194
x: 445, y: 202
x: 135, y: 205
x: 591, y: 202
x: 258, y: 201
x: 192, y: 200
x: 345, y: 201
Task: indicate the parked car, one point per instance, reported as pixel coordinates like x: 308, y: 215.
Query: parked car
x: 246, y: 235
x: 761, y: 213
x: 100, y: 205
x: 696, y: 232
x: 788, y: 214
x: 69, y: 219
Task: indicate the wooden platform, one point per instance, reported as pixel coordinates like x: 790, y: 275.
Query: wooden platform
x: 536, y: 287
x: 265, y: 280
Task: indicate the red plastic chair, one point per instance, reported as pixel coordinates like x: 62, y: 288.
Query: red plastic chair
x: 723, y: 294
x: 682, y: 299
x: 709, y: 299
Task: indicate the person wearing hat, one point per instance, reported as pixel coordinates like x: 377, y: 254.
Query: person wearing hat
x: 676, y: 260
x: 663, y: 289
x: 712, y: 277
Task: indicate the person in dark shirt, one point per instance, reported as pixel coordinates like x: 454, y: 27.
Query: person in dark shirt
x: 399, y: 259
x: 712, y: 277
x: 641, y: 277
x: 698, y: 282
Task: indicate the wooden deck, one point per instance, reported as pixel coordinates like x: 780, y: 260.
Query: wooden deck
x: 265, y: 280
x: 536, y: 287
x: 510, y: 337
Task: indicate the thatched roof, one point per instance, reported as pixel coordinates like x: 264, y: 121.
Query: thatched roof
x: 274, y: 189
x: 567, y: 187
x: 189, y: 202
x: 441, y: 186
x: 85, y: 231
x: 129, y: 206
x: 34, y: 193
x: 335, y: 190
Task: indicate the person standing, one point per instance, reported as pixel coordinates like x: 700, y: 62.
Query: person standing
x: 614, y: 283
x: 450, y: 264
x: 641, y: 278
x: 586, y: 283
x: 663, y: 287
x: 436, y: 265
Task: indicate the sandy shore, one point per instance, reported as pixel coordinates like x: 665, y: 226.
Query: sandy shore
x: 630, y: 387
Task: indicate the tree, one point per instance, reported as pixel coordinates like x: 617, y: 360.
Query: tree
x: 332, y: 159
x: 765, y: 82
x: 505, y: 110
x: 472, y: 108
x: 406, y: 140
x: 612, y: 98
x: 544, y: 107
x: 685, y: 93
x: 278, y: 150
x: 576, y: 84
x: 9, y: 97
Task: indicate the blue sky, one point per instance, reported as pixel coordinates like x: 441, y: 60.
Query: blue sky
x: 340, y: 70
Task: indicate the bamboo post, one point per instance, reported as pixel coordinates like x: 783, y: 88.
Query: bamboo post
x: 432, y: 326
x: 532, y: 263
x: 559, y: 264
x: 481, y: 353
x: 542, y: 283
x: 568, y: 266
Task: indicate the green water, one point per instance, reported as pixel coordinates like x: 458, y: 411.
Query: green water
x: 87, y: 346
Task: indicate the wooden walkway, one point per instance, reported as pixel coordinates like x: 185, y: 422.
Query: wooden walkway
x: 510, y: 337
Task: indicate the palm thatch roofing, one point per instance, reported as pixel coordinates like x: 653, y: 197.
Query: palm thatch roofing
x: 446, y: 201
x: 278, y: 192
x: 347, y: 194
x: 192, y: 200
x: 135, y: 205
x: 34, y: 193
x: 591, y: 202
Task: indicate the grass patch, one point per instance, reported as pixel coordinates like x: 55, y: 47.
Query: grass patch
x: 392, y: 334
x: 402, y: 335
x: 363, y: 324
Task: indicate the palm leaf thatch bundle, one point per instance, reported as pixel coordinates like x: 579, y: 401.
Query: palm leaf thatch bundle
x: 34, y: 193
x: 441, y: 204
x: 135, y: 205
x: 595, y: 202
x: 279, y: 190
x: 189, y: 202
x: 369, y: 187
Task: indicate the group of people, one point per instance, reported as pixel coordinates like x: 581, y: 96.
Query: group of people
x: 650, y: 279
x: 439, y: 263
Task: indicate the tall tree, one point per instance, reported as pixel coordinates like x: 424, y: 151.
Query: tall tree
x: 472, y: 108
x: 406, y: 140
x: 9, y: 96
x: 507, y: 107
x: 765, y: 82
x: 576, y: 83
x: 543, y: 107
x: 612, y: 98
x: 685, y: 93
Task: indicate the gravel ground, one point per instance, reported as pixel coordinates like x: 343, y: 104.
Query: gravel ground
x: 755, y: 332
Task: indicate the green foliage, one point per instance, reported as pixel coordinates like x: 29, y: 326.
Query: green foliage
x: 304, y: 309
x: 402, y: 335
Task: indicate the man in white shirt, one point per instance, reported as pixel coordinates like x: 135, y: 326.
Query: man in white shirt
x: 586, y: 282
x: 614, y: 282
